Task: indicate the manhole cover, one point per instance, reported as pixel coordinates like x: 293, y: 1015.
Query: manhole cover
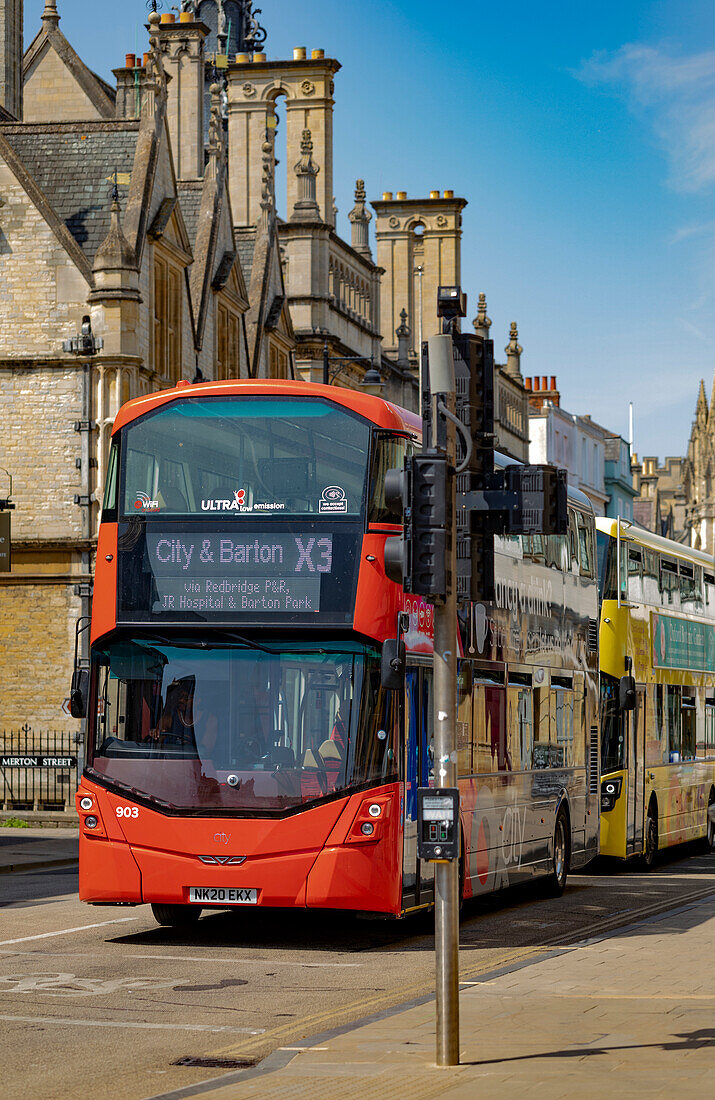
x: 216, y: 1063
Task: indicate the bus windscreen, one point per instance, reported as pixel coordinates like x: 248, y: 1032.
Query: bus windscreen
x: 224, y: 727
x: 242, y: 456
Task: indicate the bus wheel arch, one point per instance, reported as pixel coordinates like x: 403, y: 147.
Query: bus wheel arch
x: 561, y: 850
x: 650, y: 839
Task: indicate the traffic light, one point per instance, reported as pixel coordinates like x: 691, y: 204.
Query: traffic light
x: 398, y: 495
x: 431, y: 524
x: 419, y: 493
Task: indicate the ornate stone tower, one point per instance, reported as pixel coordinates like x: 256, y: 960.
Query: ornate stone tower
x: 254, y: 85
x: 419, y: 246
x: 182, y: 45
x: 11, y: 56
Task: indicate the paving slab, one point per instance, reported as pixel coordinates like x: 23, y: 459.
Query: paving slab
x: 35, y: 849
x: 629, y: 1012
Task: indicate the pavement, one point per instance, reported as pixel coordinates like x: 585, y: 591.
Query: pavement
x: 37, y: 849
x: 631, y: 1012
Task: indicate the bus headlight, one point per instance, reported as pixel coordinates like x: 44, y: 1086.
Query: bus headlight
x: 86, y: 803
x: 90, y: 822
x: 610, y: 792
x: 367, y: 828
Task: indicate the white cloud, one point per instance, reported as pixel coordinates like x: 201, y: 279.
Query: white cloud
x: 678, y: 96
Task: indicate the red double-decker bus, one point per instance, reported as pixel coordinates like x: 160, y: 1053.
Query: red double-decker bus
x: 242, y: 746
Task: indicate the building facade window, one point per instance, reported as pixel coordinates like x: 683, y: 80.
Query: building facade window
x: 167, y: 319
x: 228, y: 349
x: 278, y: 362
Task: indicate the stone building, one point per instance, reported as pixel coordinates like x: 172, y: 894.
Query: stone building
x: 660, y: 504
x: 98, y: 230
x: 698, y: 478
x: 566, y: 440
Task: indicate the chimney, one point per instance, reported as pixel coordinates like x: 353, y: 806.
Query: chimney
x: 182, y: 45
x: 542, y: 391
x: 11, y: 53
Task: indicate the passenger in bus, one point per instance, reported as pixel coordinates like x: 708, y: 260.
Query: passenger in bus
x: 176, y: 725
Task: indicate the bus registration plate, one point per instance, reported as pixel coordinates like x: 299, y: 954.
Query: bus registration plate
x: 222, y: 895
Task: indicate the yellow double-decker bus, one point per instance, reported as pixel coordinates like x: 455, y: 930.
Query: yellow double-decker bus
x: 657, y: 645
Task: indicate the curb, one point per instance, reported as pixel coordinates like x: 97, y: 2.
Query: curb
x: 37, y: 865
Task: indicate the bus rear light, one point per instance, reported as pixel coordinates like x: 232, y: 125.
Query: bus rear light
x: 611, y: 792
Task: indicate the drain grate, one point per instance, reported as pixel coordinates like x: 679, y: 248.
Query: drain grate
x: 216, y: 1063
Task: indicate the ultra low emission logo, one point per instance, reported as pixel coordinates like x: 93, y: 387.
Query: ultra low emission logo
x: 240, y: 504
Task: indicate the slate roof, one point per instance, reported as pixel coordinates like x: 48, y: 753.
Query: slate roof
x: 245, y: 247
x: 74, y: 168
x: 190, y: 202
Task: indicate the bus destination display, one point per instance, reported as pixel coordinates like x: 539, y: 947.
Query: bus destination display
x: 218, y: 574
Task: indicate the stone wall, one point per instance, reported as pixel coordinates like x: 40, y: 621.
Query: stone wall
x: 39, y: 446
x: 51, y: 91
x: 42, y: 294
x: 36, y: 654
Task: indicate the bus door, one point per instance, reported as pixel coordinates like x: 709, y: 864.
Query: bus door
x: 417, y: 877
x: 636, y: 773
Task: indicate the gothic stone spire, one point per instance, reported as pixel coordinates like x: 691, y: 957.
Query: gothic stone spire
x: 513, y: 353
x: 360, y: 218
x: 481, y: 322
x: 306, y: 207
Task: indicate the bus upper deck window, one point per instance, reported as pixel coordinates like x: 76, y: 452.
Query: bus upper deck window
x: 585, y: 545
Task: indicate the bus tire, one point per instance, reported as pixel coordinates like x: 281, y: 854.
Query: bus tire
x: 176, y: 916
x: 560, y: 856
x: 709, y: 841
x: 650, y: 839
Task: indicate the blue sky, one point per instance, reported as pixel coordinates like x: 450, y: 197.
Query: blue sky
x: 583, y: 137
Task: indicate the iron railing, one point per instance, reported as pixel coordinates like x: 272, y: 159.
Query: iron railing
x: 38, y: 769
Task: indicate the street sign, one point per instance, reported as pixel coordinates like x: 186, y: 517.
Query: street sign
x: 5, y: 542
x: 33, y: 761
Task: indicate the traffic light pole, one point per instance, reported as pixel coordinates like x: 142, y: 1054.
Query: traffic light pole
x: 445, y: 741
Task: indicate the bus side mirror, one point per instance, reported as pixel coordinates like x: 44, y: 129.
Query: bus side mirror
x: 393, y: 664
x: 79, y: 692
x: 627, y: 693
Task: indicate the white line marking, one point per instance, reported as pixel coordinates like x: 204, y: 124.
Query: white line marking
x: 303, y: 1048
x: 67, y: 931
x: 68, y: 1020
x: 238, y: 959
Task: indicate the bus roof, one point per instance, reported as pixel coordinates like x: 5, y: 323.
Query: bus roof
x: 634, y: 533
x: 375, y: 409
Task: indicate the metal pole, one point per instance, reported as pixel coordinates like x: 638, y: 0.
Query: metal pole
x: 326, y: 364
x: 445, y: 710
x: 419, y: 271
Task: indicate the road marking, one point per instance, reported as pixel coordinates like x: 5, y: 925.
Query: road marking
x: 304, y: 1048
x: 68, y: 931
x: 133, y: 1024
x: 238, y: 959
x: 70, y: 985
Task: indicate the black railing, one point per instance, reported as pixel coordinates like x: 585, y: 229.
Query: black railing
x: 38, y: 770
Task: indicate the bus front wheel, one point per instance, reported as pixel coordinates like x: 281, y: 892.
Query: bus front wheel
x: 560, y: 857
x: 176, y: 916
x: 650, y: 852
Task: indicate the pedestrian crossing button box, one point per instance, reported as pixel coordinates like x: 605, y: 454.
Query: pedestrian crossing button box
x: 438, y: 823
